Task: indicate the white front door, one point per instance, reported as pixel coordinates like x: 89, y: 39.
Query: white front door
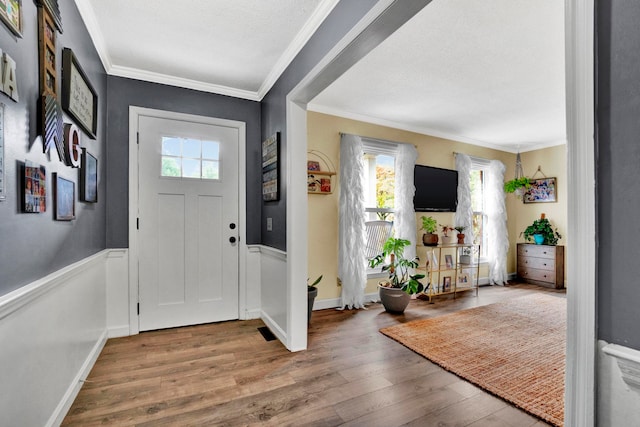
x: 188, y: 223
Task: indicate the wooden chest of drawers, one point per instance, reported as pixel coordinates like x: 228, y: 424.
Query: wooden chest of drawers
x: 541, y: 264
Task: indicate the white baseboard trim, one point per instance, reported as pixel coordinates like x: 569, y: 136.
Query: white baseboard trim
x: 74, y: 388
x: 273, y: 326
x: 118, y: 331
x: 252, y: 314
x: 324, y: 304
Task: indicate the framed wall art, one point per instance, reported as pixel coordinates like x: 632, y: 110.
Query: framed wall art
x: 35, y: 188
x: 270, y: 168
x: 79, y: 99
x: 3, y: 194
x: 65, y: 198
x: 542, y: 190
x: 11, y: 15
x: 88, y: 178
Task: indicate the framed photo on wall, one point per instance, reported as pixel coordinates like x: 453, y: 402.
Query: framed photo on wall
x: 79, y: 99
x: 88, y: 178
x: 35, y: 188
x: 541, y: 191
x: 270, y: 168
x: 65, y: 198
x: 11, y: 15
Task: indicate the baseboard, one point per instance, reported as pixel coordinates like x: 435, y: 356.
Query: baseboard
x: 74, y: 388
x: 273, y: 326
x: 252, y: 314
x: 118, y: 331
x: 324, y: 304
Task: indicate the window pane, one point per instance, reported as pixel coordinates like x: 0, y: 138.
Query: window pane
x: 210, y: 169
x: 190, y: 168
x: 171, y: 166
x: 210, y: 150
x: 385, y: 181
x: 171, y: 146
x: 191, y: 148
x: 476, y: 191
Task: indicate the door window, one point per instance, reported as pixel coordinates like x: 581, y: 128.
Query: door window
x: 190, y: 158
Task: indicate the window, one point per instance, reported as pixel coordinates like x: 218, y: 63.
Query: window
x: 478, y: 207
x: 190, y: 158
x: 379, y: 184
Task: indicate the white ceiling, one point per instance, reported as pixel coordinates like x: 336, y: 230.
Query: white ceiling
x: 487, y: 72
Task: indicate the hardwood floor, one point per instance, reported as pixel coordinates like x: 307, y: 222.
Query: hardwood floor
x: 227, y: 374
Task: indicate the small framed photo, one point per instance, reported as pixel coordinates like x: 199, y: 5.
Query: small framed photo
x: 88, y: 178
x: 35, y: 188
x: 65, y: 198
x: 11, y: 15
x: 541, y: 191
x: 270, y: 168
x: 463, y: 279
x: 446, y: 283
x: 448, y: 260
x: 313, y: 165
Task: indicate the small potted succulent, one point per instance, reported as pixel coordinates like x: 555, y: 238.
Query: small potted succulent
x: 429, y: 225
x: 460, y: 236
x: 395, y: 292
x: 447, y: 235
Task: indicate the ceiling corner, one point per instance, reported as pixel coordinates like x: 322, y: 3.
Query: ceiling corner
x: 90, y: 21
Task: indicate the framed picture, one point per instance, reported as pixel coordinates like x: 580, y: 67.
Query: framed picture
x: 79, y: 99
x: 446, y: 283
x: 88, y: 178
x: 11, y: 15
x: 313, y: 165
x: 270, y: 168
x: 65, y: 198
x: 448, y: 260
x: 541, y: 191
x: 35, y: 188
x: 463, y: 279
x: 3, y: 193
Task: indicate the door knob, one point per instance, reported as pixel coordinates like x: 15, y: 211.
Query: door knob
x: 232, y: 239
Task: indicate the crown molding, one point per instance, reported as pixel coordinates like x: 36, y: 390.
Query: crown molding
x: 424, y: 130
x: 91, y: 22
x: 300, y: 40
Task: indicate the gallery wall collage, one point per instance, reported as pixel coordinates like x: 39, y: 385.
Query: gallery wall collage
x: 78, y: 100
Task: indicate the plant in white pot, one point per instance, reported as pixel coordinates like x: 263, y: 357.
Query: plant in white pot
x: 396, y: 291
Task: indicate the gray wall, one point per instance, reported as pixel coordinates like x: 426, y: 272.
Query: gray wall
x: 343, y: 17
x: 126, y: 92
x: 34, y: 245
x: 618, y: 170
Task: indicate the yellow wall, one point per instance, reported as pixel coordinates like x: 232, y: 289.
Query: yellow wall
x: 323, y: 132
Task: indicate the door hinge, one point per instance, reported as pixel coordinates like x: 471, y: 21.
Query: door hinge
x: 137, y: 137
x: 137, y: 223
x: 138, y: 309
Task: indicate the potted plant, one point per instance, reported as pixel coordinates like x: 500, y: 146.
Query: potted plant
x: 460, y: 236
x: 446, y: 237
x: 396, y: 291
x: 541, y: 232
x: 429, y: 225
x: 517, y: 185
x: 312, y: 293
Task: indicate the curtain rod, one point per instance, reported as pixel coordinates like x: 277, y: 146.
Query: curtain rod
x: 384, y: 141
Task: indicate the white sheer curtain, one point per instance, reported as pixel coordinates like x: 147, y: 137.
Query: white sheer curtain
x: 352, y: 235
x: 405, y: 217
x: 464, y: 211
x: 497, y: 243
x: 496, y: 211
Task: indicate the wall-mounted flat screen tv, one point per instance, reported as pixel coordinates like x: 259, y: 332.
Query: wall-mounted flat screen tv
x: 436, y: 189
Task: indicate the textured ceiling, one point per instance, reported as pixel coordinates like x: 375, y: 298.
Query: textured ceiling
x: 485, y: 72
x: 488, y: 72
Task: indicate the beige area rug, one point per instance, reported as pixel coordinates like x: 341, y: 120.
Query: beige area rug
x: 513, y: 349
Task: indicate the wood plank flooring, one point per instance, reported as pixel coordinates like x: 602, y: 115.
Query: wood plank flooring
x: 226, y: 374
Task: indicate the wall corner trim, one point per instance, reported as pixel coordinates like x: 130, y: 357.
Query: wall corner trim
x: 628, y: 361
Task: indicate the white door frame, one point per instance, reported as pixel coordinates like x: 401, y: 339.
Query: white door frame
x: 581, y: 342
x: 134, y: 114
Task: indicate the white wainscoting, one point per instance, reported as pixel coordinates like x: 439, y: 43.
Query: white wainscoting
x: 274, y: 301
x: 51, y: 331
x: 618, y: 402
x: 118, y: 321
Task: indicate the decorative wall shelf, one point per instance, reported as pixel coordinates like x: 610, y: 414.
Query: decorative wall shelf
x: 320, y: 173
